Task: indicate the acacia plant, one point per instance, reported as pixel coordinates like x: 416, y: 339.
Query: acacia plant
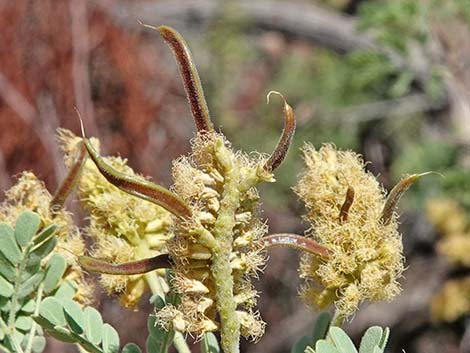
x: 196, y: 245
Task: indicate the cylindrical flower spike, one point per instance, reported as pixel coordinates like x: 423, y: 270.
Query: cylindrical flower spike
x: 213, y: 277
x: 282, y: 146
x: 124, y: 228
x: 30, y: 194
x: 364, y: 247
x: 191, y: 80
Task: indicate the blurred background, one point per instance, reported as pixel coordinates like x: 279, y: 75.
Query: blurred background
x: 388, y: 79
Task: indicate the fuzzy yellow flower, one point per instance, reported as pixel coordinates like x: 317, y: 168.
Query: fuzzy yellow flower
x: 123, y: 228
x: 352, y: 218
x: 447, y: 216
x: 30, y: 194
x: 451, y: 221
x: 452, y: 302
x: 217, y: 183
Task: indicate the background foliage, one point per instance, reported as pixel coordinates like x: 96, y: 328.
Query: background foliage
x: 398, y: 93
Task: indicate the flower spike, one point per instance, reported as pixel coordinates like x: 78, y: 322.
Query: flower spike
x: 395, y: 194
x: 141, y: 188
x: 129, y: 268
x: 188, y: 72
x: 282, y: 147
x: 67, y: 185
x: 295, y: 241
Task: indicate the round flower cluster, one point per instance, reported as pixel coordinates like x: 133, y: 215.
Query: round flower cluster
x: 124, y: 228
x: 30, y: 194
x: 345, y: 206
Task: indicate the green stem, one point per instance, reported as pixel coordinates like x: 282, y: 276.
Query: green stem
x: 180, y: 343
x: 14, y: 299
x: 337, y: 319
x: 4, y: 349
x: 32, y: 332
x: 220, y: 267
x: 178, y: 340
x: 4, y: 327
x: 154, y: 284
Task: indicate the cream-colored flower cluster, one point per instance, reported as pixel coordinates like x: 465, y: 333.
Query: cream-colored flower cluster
x: 216, y: 251
x: 450, y: 219
x: 124, y: 228
x: 30, y: 194
x: 344, y: 207
x: 452, y: 222
x: 452, y: 302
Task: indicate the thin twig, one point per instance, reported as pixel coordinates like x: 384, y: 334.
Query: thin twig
x: 32, y: 331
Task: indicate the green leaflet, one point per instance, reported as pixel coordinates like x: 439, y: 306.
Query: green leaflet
x: 74, y: 316
x: 38, y: 343
x: 54, y: 272
x: 45, y: 234
x: 24, y: 323
x: 321, y: 326
x: 209, y: 343
x: 110, y: 339
x: 373, y: 341
x: 6, y: 288
x: 300, y: 345
x: 8, y: 245
x: 131, y: 348
x: 66, y: 321
x: 26, y: 227
x: 319, y: 332
x: 325, y: 347
x: 93, y: 325
x: 51, y: 311
x: 66, y: 290
x: 30, y: 285
x: 341, y: 340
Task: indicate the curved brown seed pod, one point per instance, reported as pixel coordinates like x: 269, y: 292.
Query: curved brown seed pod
x: 395, y: 194
x: 141, y: 188
x: 67, y: 185
x: 129, y: 268
x: 188, y: 72
x: 282, y: 146
x: 344, y: 212
x: 295, y: 241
